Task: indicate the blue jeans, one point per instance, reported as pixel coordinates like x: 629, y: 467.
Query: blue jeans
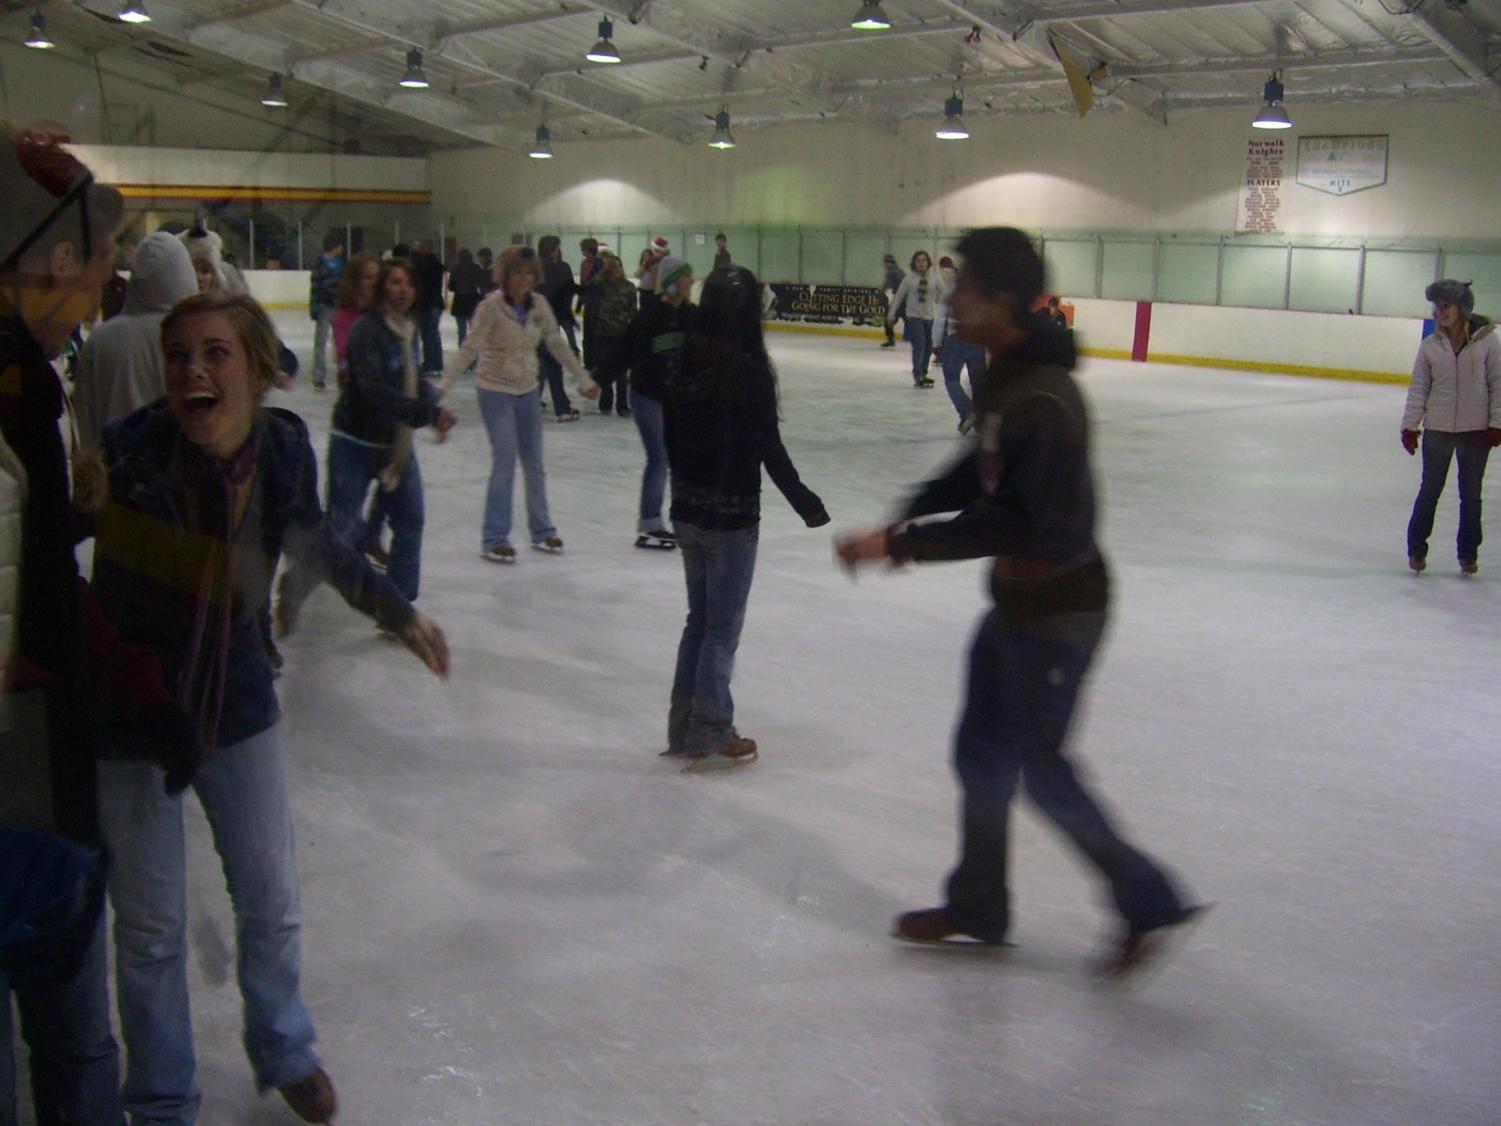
x: 1024, y: 679
x: 243, y: 790
x: 75, y: 1063
x: 957, y: 355
x: 1439, y: 448
x: 515, y: 427
x: 719, y: 566
x: 430, y: 327
x: 320, y: 344
x: 648, y: 415
x: 920, y: 336
x: 351, y: 467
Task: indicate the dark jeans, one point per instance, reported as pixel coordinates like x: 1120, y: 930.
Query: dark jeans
x: 351, y: 468
x: 718, y: 566
x: 1439, y: 447
x: 920, y: 336
x: 651, y: 425
x: 611, y: 371
x: 551, y: 372
x: 1023, y: 681
x: 430, y: 328
x: 75, y: 1063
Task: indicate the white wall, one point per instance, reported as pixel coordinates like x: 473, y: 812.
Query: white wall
x: 1108, y: 172
x: 1274, y: 338
x: 279, y: 289
x: 124, y: 164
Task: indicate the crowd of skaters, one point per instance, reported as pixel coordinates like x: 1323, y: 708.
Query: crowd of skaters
x: 158, y: 678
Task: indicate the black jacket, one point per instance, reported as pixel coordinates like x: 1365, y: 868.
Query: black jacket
x: 560, y: 289
x: 655, y: 340
x: 429, y: 280
x: 721, y: 423
x: 372, y: 400
x: 1025, y: 493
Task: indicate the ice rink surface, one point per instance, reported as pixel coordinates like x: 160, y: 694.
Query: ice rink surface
x: 515, y: 912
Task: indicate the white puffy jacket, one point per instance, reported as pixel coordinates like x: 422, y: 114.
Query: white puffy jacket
x: 1456, y: 393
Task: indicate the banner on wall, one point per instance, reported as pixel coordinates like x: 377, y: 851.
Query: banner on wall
x: 1260, y: 203
x: 824, y: 304
x: 1341, y: 165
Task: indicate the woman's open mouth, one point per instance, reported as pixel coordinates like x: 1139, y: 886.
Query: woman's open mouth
x: 199, y: 402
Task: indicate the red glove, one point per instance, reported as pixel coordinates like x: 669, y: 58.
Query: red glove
x: 1410, y: 441
x: 1493, y: 436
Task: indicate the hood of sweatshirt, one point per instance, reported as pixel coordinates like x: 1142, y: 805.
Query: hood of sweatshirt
x: 161, y: 276
x: 1480, y: 327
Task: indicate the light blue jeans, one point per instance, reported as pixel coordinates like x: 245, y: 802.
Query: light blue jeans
x: 514, y: 423
x: 957, y: 355
x: 719, y: 566
x: 649, y: 423
x: 243, y: 790
x: 325, y: 321
x: 920, y: 336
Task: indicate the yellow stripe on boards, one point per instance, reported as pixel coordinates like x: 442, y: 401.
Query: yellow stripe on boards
x: 1351, y: 374
x: 298, y: 195
x: 826, y: 330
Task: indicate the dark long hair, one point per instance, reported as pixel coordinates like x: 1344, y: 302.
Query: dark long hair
x: 728, y: 325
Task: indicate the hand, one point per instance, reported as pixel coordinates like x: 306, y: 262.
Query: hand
x: 174, y: 739
x: 423, y: 637
x: 1493, y: 436
x: 592, y: 392
x: 446, y: 421
x: 1410, y: 441
x: 863, y: 547
x: 281, y: 381
x: 938, y: 352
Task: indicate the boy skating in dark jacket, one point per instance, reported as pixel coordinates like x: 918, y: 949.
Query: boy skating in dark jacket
x: 1024, y: 497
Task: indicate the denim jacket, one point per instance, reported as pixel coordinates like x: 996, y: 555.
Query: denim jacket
x: 147, y: 567
x: 373, y: 400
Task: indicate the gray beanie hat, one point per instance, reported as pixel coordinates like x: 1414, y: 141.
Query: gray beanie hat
x: 1451, y: 292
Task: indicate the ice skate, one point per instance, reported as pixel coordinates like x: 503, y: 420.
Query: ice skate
x: 312, y: 1098
x: 967, y: 423
x: 659, y: 540
x: 932, y: 926
x: 737, y: 752
x: 499, y: 553
x: 552, y: 545
x: 1138, y: 949
x: 1469, y: 567
x: 1417, y: 564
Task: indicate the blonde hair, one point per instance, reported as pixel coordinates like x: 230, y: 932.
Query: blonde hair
x: 251, y: 325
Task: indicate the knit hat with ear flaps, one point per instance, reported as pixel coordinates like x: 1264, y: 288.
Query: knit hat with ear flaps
x: 206, y: 246
x: 669, y: 270
x: 1451, y: 292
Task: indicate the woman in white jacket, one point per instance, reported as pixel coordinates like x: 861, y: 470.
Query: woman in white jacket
x: 1455, y: 400
x: 502, y: 343
x: 918, y: 297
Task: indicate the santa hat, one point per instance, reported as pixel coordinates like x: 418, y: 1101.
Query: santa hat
x: 659, y: 244
x: 35, y: 175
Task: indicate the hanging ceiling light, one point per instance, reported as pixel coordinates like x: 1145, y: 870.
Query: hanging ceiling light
x: 722, y: 138
x: 275, y: 95
x: 542, y: 147
x: 414, y: 79
x: 953, y: 128
x: 133, y: 11
x: 870, y: 18
x: 38, y: 37
x: 604, y: 51
x: 1272, y: 115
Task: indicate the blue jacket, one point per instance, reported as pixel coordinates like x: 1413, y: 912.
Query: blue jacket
x: 323, y: 284
x: 149, y: 560
x: 372, y: 400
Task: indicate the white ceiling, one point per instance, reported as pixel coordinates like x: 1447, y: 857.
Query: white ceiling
x: 498, y: 68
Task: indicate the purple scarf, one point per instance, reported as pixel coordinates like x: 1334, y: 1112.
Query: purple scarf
x: 211, y: 489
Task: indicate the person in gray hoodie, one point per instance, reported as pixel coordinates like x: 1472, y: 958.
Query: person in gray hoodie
x: 120, y: 369
x: 1455, y: 399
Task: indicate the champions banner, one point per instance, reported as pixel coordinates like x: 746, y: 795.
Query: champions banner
x: 824, y: 304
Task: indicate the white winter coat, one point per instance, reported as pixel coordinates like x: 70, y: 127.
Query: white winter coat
x: 120, y: 368
x: 507, y: 349
x: 1456, y: 393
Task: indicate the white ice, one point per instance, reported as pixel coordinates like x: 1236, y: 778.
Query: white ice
x: 515, y: 912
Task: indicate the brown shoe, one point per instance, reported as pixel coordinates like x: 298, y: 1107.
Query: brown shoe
x: 1468, y: 566
x: 1139, y: 948
x: 312, y: 1097
x: 739, y: 751
x: 934, y: 927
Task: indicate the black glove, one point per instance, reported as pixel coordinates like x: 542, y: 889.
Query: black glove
x: 814, y: 514
x: 174, y: 738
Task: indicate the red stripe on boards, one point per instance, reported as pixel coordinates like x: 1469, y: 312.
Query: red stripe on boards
x: 1143, y: 331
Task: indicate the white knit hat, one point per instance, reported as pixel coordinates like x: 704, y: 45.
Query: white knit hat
x: 206, y: 246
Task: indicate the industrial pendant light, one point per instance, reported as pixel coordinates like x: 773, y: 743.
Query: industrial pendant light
x: 722, y: 138
x: 133, y: 11
x: 1272, y: 115
x: 870, y: 18
x: 414, y: 79
x: 275, y: 96
x: 953, y: 128
x: 542, y: 147
x: 604, y: 51
x: 38, y: 37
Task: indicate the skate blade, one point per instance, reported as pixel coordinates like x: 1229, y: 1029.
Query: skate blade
x: 1151, y: 955
x: 710, y: 763
x: 957, y: 942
